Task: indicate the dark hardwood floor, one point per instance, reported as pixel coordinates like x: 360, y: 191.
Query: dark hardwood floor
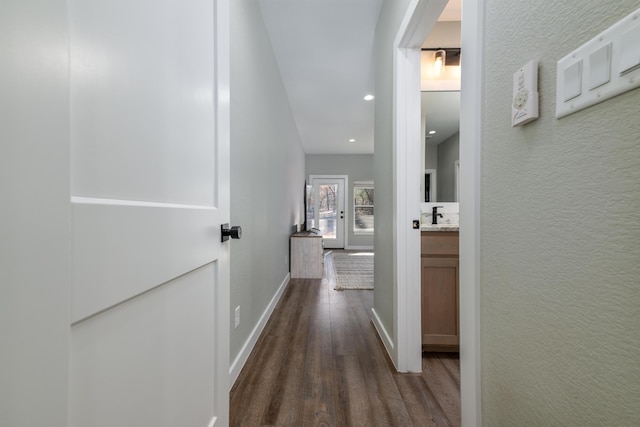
x: 319, y: 362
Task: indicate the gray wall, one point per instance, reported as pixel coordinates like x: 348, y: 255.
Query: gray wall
x: 267, y: 171
x: 448, y: 153
x: 560, y: 232
x: 359, y: 167
x: 391, y: 15
x: 431, y: 156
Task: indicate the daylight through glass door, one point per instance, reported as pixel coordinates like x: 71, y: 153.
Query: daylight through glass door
x: 329, y: 210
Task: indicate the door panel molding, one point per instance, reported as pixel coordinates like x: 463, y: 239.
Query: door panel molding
x: 123, y: 251
x: 120, y: 346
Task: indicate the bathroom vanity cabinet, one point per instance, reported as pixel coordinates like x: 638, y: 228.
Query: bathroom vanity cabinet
x: 440, y: 291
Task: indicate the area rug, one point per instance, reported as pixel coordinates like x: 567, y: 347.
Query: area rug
x: 354, y: 270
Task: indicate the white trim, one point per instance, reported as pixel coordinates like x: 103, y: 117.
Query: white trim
x: 470, y: 181
x: 212, y: 422
x: 471, y: 102
x: 418, y: 22
x: 80, y: 200
x: 382, y: 332
x: 222, y: 198
x: 358, y: 248
x: 251, y: 341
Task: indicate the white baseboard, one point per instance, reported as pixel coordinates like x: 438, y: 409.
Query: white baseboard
x: 358, y: 248
x: 242, y: 357
x: 384, y: 336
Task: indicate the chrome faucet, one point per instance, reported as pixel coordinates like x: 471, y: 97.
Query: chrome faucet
x: 435, y: 215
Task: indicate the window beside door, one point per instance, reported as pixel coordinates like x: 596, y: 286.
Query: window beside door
x: 363, y: 207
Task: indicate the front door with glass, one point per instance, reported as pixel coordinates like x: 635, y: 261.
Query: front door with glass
x: 329, y: 210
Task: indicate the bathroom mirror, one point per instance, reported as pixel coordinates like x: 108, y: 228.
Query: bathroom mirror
x: 441, y: 130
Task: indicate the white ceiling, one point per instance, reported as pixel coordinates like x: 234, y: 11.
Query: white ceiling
x: 324, y: 50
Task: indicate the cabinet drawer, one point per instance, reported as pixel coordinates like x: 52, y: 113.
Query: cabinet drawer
x: 439, y: 243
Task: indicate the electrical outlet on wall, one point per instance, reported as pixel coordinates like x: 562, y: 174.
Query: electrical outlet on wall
x: 237, y: 317
x: 524, y: 107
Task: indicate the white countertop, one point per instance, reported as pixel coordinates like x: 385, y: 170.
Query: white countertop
x: 440, y: 227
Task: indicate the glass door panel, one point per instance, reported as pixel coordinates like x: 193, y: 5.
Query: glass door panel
x: 328, y: 210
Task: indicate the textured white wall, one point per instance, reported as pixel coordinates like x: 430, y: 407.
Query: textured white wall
x: 560, y: 233
x: 267, y: 164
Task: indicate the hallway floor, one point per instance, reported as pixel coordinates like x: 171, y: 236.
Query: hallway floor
x: 319, y: 362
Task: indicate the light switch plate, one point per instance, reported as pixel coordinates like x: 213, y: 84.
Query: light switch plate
x: 630, y: 50
x: 600, y: 67
x: 610, y: 67
x: 524, y: 107
x: 572, y: 80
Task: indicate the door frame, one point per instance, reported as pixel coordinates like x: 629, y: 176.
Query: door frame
x: 416, y: 25
x: 222, y: 105
x: 345, y: 178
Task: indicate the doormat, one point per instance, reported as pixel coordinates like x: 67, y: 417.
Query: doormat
x: 354, y: 269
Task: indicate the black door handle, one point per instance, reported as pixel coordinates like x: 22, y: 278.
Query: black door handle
x: 234, y: 232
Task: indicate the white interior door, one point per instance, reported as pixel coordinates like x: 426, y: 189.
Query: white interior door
x: 149, y: 185
x: 329, y: 209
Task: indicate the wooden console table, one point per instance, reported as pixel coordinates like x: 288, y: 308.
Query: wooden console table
x: 306, y: 255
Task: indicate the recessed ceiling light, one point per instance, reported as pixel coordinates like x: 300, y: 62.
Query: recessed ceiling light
x: 431, y: 132
x: 369, y: 97
x: 352, y: 140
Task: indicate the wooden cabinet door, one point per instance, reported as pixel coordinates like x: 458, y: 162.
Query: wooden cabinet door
x: 306, y: 257
x: 440, y: 313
